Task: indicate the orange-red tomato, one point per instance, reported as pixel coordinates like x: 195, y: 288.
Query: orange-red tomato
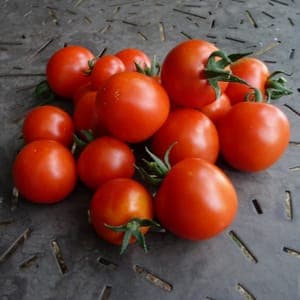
x: 196, y: 200
x: 85, y: 116
x: 253, y: 135
x: 103, y: 159
x: 81, y: 90
x: 132, y: 106
x: 117, y: 202
x: 105, y: 67
x: 254, y: 72
x: 44, y: 171
x: 217, y: 109
x: 48, y: 122
x: 66, y: 70
x: 130, y: 56
x: 183, y: 74
x: 194, y: 133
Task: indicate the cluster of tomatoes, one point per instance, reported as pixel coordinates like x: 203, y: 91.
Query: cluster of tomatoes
x: 200, y: 104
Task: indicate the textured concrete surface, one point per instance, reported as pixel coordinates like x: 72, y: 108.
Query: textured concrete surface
x: 215, y: 269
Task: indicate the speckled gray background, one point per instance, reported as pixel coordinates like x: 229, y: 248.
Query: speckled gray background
x: 30, y: 31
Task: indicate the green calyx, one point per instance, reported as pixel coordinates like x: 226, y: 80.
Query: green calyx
x: 43, y: 92
x: 215, y: 69
x: 275, y: 88
x: 132, y: 229
x: 152, y: 71
x: 82, y: 139
x: 155, y: 170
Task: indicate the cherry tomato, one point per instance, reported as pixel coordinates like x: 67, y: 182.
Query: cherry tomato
x: 105, y: 67
x: 103, y: 159
x: 253, y: 135
x: 253, y: 71
x: 116, y: 203
x: 81, y: 90
x: 66, y: 70
x: 130, y: 56
x: 183, y: 74
x: 48, y: 122
x: 196, y: 200
x: 217, y: 109
x: 85, y: 116
x: 195, y: 136
x: 132, y: 106
x: 44, y: 171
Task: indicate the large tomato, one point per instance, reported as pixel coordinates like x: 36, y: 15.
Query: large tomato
x: 196, y: 200
x: 105, y: 67
x: 103, y: 159
x: 194, y: 134
x: 183, y: 74
x: 44, y: 171
x: 66, y: 70
x: 48, y: 122
x: 132, y: 106
x: 116, y: 203
x: 132, y: 56
x: 253, y: 135
x: 254, y: 72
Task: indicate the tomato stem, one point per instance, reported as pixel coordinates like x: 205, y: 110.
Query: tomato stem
x: 215, y: 69
x: 132, y: 229
x: 156, y: 169
x: 152, y: 71
x: 276, y: 88
x: 44, y: 93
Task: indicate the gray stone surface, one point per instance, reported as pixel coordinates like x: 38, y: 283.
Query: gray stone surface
x: 213, y: 269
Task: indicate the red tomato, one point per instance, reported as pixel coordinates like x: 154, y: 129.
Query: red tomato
x: 66, y: 70
x: 116, y: 203
x: 253, y: 135
x: 132, y: 106
x: 105, y: 67
x: 183, y: 74
x: 196, y: 200
x: 81, y: 91
x: 44, y: 171
x: 50, y: 123
x: 217, y: 109
x: 195, y: 134
x: 253, y: 71
x: 130, y: 56
x: 85, y: 116
x: 103, y: 159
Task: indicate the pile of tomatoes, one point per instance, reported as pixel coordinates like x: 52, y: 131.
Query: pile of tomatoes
x: 200, y: 104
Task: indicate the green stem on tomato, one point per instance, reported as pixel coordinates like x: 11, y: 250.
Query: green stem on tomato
x: 155, y: 170
x: 215, y: 69
x: 132, y: 229
x: 276, y: 88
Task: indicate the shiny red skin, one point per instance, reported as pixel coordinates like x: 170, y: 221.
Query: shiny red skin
x: 48, y: 122
x: 117, y: 202
x: 253, y: 136
x: 195, y: 136
x: 44, y: 172
x: 132, y: 106
x: 196, y: 200
x: 105, y: 67
x: 130, y: 56
x: 217, y: 109
x: 183, y: 75
x: 66, y: 70
x: 104, y: 159
x: 254, y: 72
